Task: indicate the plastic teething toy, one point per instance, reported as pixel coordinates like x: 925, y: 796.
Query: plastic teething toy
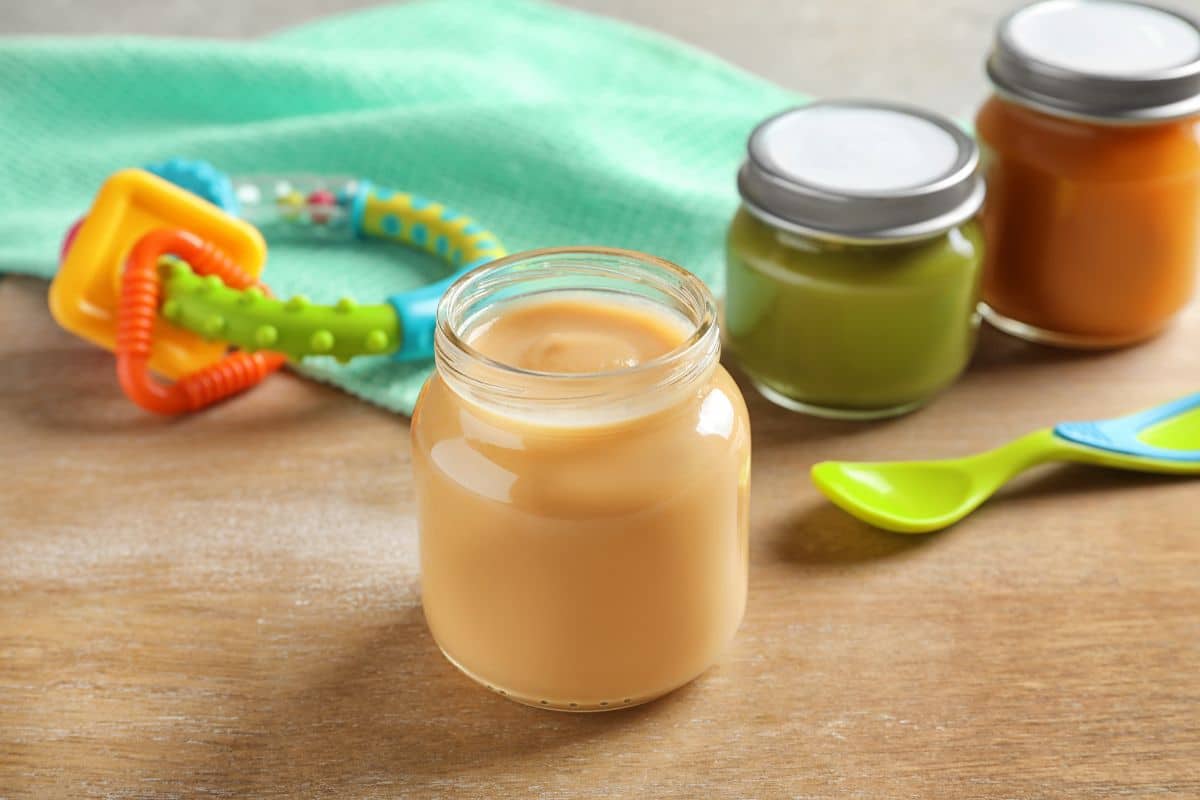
x: 84, y: 296
x: 140, y: 295
x: 924, y: 496
x: 328, y: 208
x: 208, y: 297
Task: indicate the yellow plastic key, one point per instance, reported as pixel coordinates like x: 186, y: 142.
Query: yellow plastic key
x: 85, y: 293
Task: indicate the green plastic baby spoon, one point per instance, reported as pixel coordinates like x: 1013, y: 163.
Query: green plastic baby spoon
x: 924, y: 496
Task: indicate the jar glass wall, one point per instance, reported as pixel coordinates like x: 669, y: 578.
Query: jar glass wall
x: 1094, y: 229
x: 583, y: 536
x: 853, y: 330
x: 852, y: 265
x: 1091, y: 145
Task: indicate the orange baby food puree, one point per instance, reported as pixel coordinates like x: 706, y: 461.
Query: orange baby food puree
x: 576, y: 336
x: 589, y: 553
x: 1093, y: 230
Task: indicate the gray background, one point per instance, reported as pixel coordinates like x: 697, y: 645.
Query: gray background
x: 927, y: 52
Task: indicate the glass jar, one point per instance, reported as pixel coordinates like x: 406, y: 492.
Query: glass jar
x: 852, y: 267
x: 851, y: 329
x: 583, y: 536
x: 1092, y: 153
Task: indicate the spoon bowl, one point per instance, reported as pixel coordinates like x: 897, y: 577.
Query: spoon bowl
x: 916, y: 497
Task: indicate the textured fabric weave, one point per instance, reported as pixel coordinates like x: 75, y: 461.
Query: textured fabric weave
x: 548, y: 126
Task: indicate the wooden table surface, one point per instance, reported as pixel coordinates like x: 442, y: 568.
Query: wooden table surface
x: 228, y: 605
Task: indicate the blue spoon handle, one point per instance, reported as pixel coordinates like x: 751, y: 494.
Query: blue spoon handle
x: 1121, y: 435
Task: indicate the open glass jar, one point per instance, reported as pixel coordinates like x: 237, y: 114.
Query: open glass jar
x: 1092, y: 151
x: 852, y: 267
x: 583, y: 534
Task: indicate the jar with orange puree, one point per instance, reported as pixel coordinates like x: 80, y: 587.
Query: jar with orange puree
x: 582, y: 466
x: 1092, y: 151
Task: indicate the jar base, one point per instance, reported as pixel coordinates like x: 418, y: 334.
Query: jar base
x: 1032, y: 333
x: 559, y: 705
x: 829, y: 412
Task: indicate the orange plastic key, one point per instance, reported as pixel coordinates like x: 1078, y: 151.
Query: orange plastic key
x: 141, y: 291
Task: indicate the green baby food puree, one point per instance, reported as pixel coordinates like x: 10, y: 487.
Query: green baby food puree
x: 851, y: 329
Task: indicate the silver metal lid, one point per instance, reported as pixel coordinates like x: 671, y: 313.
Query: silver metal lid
x: 1108, y: 60
x: 861, y: 171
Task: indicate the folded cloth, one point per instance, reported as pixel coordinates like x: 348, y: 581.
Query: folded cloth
x: 549, y: 126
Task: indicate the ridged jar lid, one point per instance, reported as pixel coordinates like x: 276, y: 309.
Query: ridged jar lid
x: 861, y: 171
x: 1109, y: 60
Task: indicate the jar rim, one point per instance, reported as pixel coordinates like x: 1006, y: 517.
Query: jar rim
x: 492, y: 381
x: 445, y: 328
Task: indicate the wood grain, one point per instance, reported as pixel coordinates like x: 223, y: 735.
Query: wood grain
x: 228, y: 606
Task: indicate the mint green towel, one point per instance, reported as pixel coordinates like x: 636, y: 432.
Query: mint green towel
x: 549, y: 126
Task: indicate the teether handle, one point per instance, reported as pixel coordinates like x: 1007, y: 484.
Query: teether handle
x: 141, y: 291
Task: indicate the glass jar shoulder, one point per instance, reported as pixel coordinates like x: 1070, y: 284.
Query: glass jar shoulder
x: 754, y: 243
x: 1087, y: 150
x: 607, y: 469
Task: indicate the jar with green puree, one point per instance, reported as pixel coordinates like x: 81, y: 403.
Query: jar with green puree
x: 853, y: 265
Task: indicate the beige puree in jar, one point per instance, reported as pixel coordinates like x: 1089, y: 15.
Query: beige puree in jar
x: 591, y: 552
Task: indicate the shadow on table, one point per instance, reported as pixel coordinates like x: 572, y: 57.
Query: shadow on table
x: 1073, y: 479
x: 76, y: 391
x: 775, y: 427
x: 997, y: 351
x: 395, y: 713
x: 824, y: 534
